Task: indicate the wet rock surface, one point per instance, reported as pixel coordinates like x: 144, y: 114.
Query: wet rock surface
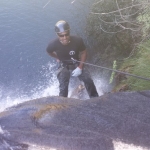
x: 66, y: 123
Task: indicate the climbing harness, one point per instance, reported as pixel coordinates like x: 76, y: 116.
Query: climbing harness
x: 140, y: 77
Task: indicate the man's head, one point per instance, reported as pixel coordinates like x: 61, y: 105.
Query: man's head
x: 62, y: 30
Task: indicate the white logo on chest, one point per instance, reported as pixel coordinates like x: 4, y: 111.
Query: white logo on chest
x: 71, y: 52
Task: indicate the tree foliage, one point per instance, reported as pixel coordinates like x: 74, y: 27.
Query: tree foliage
x: 114, y: 27
x: 115, y: 31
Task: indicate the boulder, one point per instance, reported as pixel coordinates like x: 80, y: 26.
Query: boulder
x: 72, y: 124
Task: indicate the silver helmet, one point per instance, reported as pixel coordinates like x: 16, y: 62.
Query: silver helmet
x: 61, y: 26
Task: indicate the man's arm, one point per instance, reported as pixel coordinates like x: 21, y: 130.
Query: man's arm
x: 54, y: 55
x: 83, y: 57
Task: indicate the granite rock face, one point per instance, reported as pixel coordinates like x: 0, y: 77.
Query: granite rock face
x: 72, y: 124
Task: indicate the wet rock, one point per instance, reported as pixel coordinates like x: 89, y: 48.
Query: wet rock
x: 66, y: 123
x: 6, y: 144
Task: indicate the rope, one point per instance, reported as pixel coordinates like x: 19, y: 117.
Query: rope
x: 140, y: 77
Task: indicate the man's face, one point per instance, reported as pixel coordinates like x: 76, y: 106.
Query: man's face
x: 64, y: 37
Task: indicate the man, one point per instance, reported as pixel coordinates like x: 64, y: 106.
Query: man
x: 63, y: 49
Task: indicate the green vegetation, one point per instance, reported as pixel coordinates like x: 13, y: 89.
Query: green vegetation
x: 139, y: 65
x: 113, y: 73
x: 120, y: 30
x: 144, y: 18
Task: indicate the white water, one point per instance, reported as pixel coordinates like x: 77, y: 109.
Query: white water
x: 51, y: 89
x: 14, y: 98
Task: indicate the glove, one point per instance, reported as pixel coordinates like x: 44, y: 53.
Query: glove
x: 76, y: 72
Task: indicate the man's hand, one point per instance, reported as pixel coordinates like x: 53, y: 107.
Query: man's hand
x: 76, y: 72
x: 54, y: 55
x: 58, y: 60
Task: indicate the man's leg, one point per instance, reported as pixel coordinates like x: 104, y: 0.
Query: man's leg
x: 89, y: 84
x: 63, y: 78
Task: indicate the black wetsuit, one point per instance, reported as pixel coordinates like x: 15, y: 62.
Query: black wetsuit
x: 65, y: 53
